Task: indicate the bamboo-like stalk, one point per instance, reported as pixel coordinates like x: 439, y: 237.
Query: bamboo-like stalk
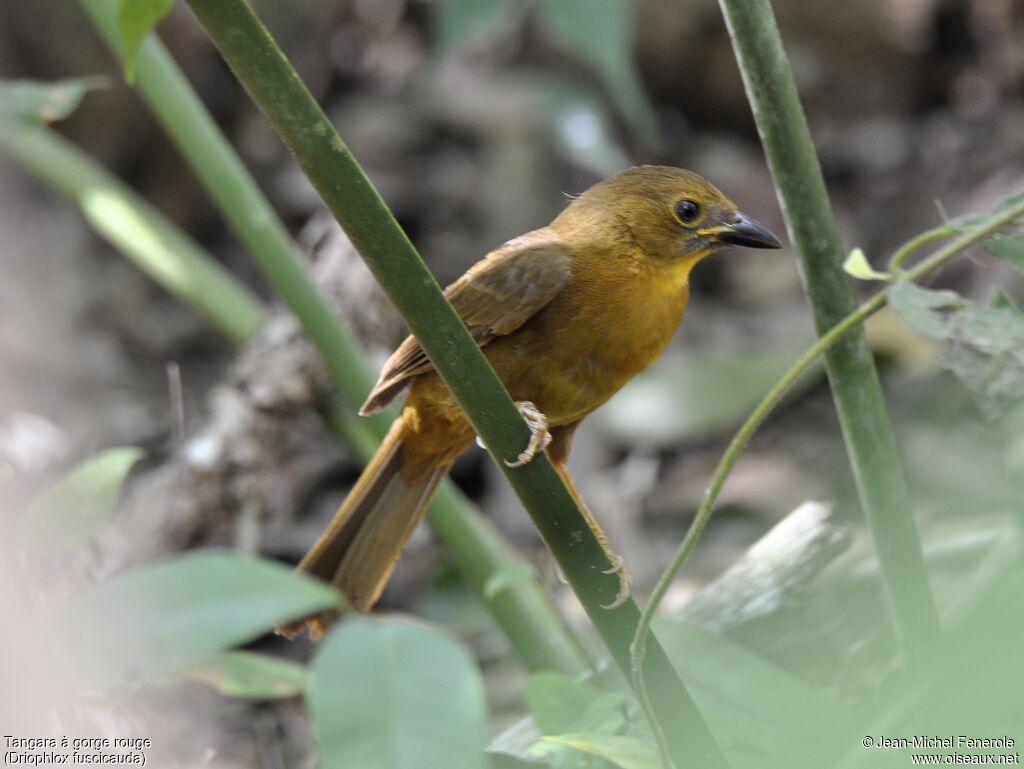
x: 142, y: 233
x: 523, y: 610
x: 851, y: 371
x: 279, y: 93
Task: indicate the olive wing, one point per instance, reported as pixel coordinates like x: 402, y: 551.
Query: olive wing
x: 494, y: 298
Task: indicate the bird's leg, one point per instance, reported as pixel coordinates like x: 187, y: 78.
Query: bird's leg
x: 618, y: 564
x: 540, y: 438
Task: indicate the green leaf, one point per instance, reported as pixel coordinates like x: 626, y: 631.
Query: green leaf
x: 463, y: 22
x: 159, y: 620
x: 983, y: 346
x: 620, y: 750
x: 1010, y: 249
x: 27, y: 103
x: 135, y: 20
x: 760, y: 713
x: 394, y: 694
x: 600, y: 32
x: 557, y: 701
x: 921, y: 307
x: 252, y: 675
x: 506, y: 577
x: 69, y: 513
x: 857, y: 265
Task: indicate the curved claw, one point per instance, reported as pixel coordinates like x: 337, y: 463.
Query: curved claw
x: 625, y: 583
x: 540, y: 438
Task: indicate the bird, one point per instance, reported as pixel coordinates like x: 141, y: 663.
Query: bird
x: 566, y: 315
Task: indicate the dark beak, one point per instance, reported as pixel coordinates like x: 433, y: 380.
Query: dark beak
x: 744, y: 231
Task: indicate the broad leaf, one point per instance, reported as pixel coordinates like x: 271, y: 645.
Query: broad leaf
x: 159, y: 620
x: 759, y: 713
x: 983, y: 346
x: 135, y: 20
x: 77, y: 507
x: 26, y: 103
x: 394, y: 694
x: 252, y: 675
x: 560, y: 704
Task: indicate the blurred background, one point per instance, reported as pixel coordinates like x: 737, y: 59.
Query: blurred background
x: 475, y: 119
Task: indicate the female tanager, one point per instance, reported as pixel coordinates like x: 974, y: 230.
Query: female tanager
x: 566, y: 315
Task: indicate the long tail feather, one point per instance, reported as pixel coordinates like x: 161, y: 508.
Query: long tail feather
x: 361, y: 545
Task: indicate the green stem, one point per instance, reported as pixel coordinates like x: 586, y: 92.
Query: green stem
x: 142, y: 233
x: 525, y: 613
x: 778, y: 391
x: 279, y: 93
x: 912, y: 245
x: 856, y: 389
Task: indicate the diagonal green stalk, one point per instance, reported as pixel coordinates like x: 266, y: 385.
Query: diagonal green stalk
x: 778, y: 391
x: 142, y: 233
x: 856, y: 389
x: 524, y: 612
x: 323, y: 156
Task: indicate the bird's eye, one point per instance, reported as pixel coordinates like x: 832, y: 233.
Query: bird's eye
x: 687, y: 211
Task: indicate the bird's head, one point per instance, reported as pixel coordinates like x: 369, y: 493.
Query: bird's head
x: 670, y: 215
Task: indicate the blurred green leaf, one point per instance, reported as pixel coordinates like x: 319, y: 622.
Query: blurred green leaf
x: 983, y: 346
x: 159, y: 620
x: 760, y: 714
x: 619, y: 750
x: 463, y: 22
x: 1010, y: 249
x: 135, y: 20
x: 558, y: 703
x: 396, y: 695
x: 600, y: 32
x: 921, y: 307
x: 252, y: 675
x: 26, y: 103
x: 70, y: 512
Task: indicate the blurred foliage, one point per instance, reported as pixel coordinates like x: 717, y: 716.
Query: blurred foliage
x: 25, y: 103
x: 166, y: 618
x: 71, y: 511
x: 252, y: 675
x: 394, y: 694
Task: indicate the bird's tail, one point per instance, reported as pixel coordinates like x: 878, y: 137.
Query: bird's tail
x: 361, y: 545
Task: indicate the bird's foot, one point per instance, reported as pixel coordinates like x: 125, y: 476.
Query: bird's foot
x: 625, y: 581
x: 540, y: 438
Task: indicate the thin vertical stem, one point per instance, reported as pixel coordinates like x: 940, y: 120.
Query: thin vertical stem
x: 855, y: 386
